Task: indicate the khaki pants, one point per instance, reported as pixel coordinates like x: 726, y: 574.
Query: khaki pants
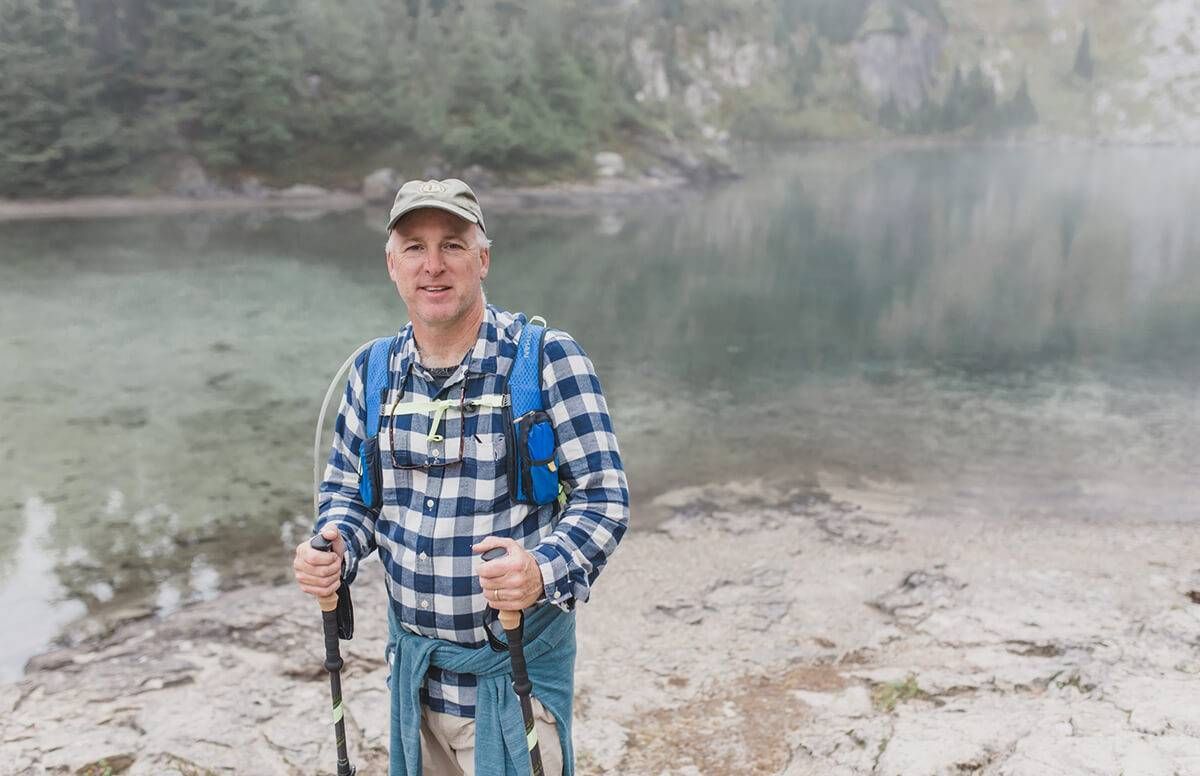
x: 448, y: 743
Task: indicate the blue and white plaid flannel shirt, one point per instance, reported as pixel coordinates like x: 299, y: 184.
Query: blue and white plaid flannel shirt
x: 431, y: 517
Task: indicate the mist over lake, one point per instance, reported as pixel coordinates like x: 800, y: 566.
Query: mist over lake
x: 1012, y: 333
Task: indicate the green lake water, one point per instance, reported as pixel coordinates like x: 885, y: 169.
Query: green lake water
x: 1007, y: 333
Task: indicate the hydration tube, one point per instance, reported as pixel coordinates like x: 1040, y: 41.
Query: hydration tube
x: 318, y: 459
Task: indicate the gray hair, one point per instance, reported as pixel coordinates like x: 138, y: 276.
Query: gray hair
x: 481, y: 238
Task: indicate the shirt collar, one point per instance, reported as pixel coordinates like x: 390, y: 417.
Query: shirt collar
x: 480, y: 360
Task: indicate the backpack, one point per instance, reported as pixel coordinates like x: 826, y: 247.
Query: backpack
x: 528, y: 431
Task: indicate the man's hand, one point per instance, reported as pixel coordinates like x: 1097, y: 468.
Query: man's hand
x: 513, y: 582
x: 320, y: 573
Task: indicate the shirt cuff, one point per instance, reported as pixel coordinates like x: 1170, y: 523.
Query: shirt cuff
x: 556, y: 582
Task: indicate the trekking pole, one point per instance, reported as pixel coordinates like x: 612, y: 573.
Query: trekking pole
x: 513, y: 623
x: 333, y: 663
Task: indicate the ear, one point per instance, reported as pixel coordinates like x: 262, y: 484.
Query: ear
x: 485, y: 260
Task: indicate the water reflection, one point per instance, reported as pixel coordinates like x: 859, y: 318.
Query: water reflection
x: 35, y: 606
x: 936, y: 255
x: 1012, y: 332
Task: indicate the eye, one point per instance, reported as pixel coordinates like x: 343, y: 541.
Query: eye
x: 453, y: 246
x: 413, y: 248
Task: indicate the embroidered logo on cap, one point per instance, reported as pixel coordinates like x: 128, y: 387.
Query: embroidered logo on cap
x: 432, y: 187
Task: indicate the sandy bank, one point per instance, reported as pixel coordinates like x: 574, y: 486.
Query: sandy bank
x: 761, y: 630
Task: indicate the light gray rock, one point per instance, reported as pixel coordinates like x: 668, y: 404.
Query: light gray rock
x: 604, y: 740
x: 1115, y: 752
x: 190, y: 179
x: 302, y: 191
x: 900, y: 64
x: 919, y: 594
x: 1158, y: 705
x: 609, y: 164
x: 381, y: 185
x: 253, y: 187
x: 1029, y: 651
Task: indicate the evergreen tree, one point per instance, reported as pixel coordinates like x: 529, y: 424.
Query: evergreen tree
x: 223, y: 72
x: 478, y: 89
x: 1083, y: 56
x: 119, y: 37
x: 92, y: 85
x: 521, y: 95
x: 889, y: 113
x: 954, y: 113
x: 981, y: 95
x: 1020, y: 110
x: 925, y: 119
x: 343, y: 89
x: 55, y: 136
x: 805, y: 68
x: 418, y: 93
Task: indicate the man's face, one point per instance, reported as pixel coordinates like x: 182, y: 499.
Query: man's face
x: 437, y: 266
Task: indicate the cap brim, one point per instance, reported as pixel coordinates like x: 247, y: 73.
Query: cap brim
x: 452, y: 209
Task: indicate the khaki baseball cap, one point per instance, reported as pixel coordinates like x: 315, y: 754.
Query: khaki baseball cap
x: 451, y: 195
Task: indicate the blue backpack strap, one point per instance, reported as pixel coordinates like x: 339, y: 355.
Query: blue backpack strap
x: 376, y: 380
x: 370, y: 472
x: 525, y: 378
x: 535, y: 473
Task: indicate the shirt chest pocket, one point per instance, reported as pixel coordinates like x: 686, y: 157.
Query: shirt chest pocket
x: 485, y: 466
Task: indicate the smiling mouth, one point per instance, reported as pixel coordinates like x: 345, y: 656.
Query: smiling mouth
x: 435, y: 289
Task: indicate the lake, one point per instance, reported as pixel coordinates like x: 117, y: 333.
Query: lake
x: 1007, y: 333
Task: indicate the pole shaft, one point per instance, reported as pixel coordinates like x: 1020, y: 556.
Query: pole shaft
x: 333, y: 664
x: 523, y: 687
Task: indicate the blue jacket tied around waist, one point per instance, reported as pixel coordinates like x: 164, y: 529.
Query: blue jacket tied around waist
x: 500, y: 748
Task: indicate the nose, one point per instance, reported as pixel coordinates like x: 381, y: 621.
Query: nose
x: 434, y: 263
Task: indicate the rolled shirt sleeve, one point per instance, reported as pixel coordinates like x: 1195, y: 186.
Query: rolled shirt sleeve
x: 596, y: 513
x: 338, y: 500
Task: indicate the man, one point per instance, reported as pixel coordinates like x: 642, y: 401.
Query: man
x: 446, y: 497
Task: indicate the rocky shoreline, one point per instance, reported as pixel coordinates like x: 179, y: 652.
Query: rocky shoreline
x: 760, y: 630
x: 674, y: 168
x: 566, y: 195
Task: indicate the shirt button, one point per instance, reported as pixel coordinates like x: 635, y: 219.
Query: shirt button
x: 436, y: 452
x: 422, y: 556
x: 424, y: 604
x: 429, y: 502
